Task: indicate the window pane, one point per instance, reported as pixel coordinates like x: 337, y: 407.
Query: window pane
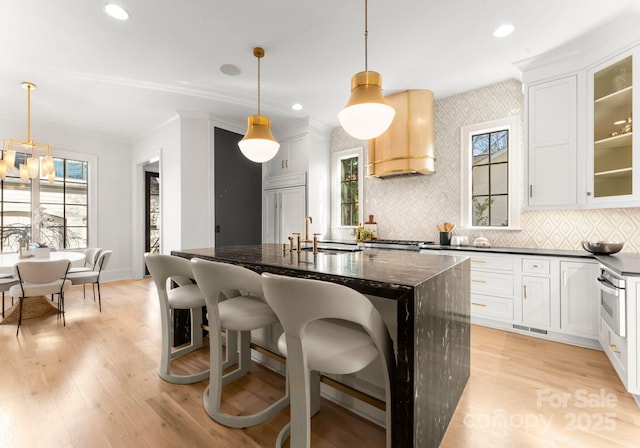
x: 346, y: 215
x: 76, y: 194
x: 499, y: 211
x: 499, y: 145
x: 76, y: 215
x: 51, y: 193
x: 480, y: 209
x: 52, y: 236
x: 480, y: 149
x: 12, y: 235
x: 15, y: 190
x: 76, y: 237
x: 346, y: 170
x: 16, y: 213
x: 76, y: 170
x: 349, y: 191
x: 480, y: 180
x: 499, y: 179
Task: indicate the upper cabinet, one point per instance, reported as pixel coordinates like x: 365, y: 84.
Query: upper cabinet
x: 582, y: 152
x: 613, y: 177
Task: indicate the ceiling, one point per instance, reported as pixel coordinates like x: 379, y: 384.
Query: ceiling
x: 123, y: 79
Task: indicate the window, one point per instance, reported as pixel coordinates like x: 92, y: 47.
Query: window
x: 53, y: 214
x: 347, y: 187
x: 489, y: 162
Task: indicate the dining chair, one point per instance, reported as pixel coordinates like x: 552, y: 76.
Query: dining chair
x: 238, y: 314
x: 39, y: 278
x: 328, y: 328
x: 90, y: 257
x: 171, y: 276
x: 6, y: 282
x: 92, y: 277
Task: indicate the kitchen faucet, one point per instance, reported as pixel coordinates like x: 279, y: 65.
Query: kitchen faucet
x: 307, y: 221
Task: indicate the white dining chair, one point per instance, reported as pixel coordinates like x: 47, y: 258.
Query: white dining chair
x: 238, y: 315
x: 40, y: 278
x: 168, y: 271
x: 92, y: 277
x: 328, y: 328
x: 6, y: 282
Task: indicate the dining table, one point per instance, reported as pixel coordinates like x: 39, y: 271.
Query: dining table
x: 34, y: 306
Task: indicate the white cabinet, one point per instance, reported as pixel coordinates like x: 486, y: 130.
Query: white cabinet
x: 613, y: 172
x: 536, y: 302
x: 283, y: 212
x: 492, y: 287
x: 291, y: 158
x: 552, y: 137
x: 579, y: 298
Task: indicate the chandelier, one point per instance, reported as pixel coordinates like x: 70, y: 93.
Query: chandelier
x: 32, y: 151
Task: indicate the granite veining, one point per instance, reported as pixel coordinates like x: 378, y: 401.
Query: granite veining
x: 432, y: 310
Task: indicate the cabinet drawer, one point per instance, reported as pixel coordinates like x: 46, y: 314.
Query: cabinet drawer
x: 492, y: 283
x: 535, y: 266
x: 488, y: 262
x: 495, y: 308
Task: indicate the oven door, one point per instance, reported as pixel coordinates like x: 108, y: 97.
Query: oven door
x: 612, y: 303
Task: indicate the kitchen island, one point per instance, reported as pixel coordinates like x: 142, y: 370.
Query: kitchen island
x: 431, y: 296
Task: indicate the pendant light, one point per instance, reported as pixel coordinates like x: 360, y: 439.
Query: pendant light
x: 258, y: 144
x: 367, y: 114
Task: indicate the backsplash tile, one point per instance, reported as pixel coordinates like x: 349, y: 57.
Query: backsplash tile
x: 410, y: 207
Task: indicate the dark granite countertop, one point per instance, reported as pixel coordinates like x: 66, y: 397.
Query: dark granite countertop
x: 621, y: 263
x: 390, y: 269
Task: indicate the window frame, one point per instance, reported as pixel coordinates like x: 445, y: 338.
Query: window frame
x: 336, y: 181
x: 512, y: 125
x: 92, y: 182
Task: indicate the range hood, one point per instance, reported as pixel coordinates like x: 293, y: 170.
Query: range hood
x: 407, y: 146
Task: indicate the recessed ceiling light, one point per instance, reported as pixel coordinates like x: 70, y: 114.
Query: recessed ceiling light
x: 503, y: 30
x: 116, y: 11
x: 297, y: 106
x: 230, y: 69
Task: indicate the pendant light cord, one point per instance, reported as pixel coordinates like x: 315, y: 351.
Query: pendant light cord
x: 258, y: 85
x: 366, y: 34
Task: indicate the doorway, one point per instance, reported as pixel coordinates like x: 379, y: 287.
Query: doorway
x: 152, y: 211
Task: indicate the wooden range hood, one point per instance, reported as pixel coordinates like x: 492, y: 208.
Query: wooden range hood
x: 407, y: 146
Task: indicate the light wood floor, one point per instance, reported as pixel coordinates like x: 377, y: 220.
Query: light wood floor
x: 93, y: 383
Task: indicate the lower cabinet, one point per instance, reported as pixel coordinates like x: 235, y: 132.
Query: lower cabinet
x: 579, y: 298
x: 536, y: 302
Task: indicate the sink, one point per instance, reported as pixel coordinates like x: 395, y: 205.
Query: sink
x: 334, y: 249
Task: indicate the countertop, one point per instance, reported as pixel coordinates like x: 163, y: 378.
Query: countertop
x: 390, y: 269
x: 626, y: 264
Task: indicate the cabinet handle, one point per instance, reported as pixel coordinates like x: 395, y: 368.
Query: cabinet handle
x: 282, y: 164
x: 530, y: 190
x: 614, y: 349
x: 564, y: 278
x: 525, y: 291
x: 478, y: 304
x: 286, y: 163
x: 478, y: 281
x: 477, y: 261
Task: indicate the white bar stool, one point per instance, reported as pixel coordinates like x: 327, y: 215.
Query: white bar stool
x: 320, y: 335
x: 238, y: 315
x: 165, y: 268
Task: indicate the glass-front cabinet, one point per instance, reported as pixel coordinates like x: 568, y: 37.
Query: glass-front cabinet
x: 613, y: 166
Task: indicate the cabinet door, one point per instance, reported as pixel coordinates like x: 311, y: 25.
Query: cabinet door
x: 552, y: 143
x: 292, y: 211
x: 536, y: 302
x: 612, y: 164
x: 277, y: 165
x: 270, y: 221
x: 579, y: 298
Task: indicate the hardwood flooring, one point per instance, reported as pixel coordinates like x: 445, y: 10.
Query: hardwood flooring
x: 93, y: 383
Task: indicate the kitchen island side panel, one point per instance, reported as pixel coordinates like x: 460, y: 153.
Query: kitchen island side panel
x: 442, y: 352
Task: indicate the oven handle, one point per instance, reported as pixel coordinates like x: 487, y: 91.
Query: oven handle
x: 608, y: 287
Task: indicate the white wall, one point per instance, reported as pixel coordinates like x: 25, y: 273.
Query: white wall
x: 113, y: 186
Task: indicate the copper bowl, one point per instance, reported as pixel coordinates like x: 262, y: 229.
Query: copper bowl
x: 602, y: 247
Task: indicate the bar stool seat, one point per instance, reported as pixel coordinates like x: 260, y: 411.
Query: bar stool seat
x: 237, y: 315
x: 328, y: 328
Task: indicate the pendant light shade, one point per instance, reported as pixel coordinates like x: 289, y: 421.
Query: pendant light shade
x: 258, y: 144
x: 367, y: 114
